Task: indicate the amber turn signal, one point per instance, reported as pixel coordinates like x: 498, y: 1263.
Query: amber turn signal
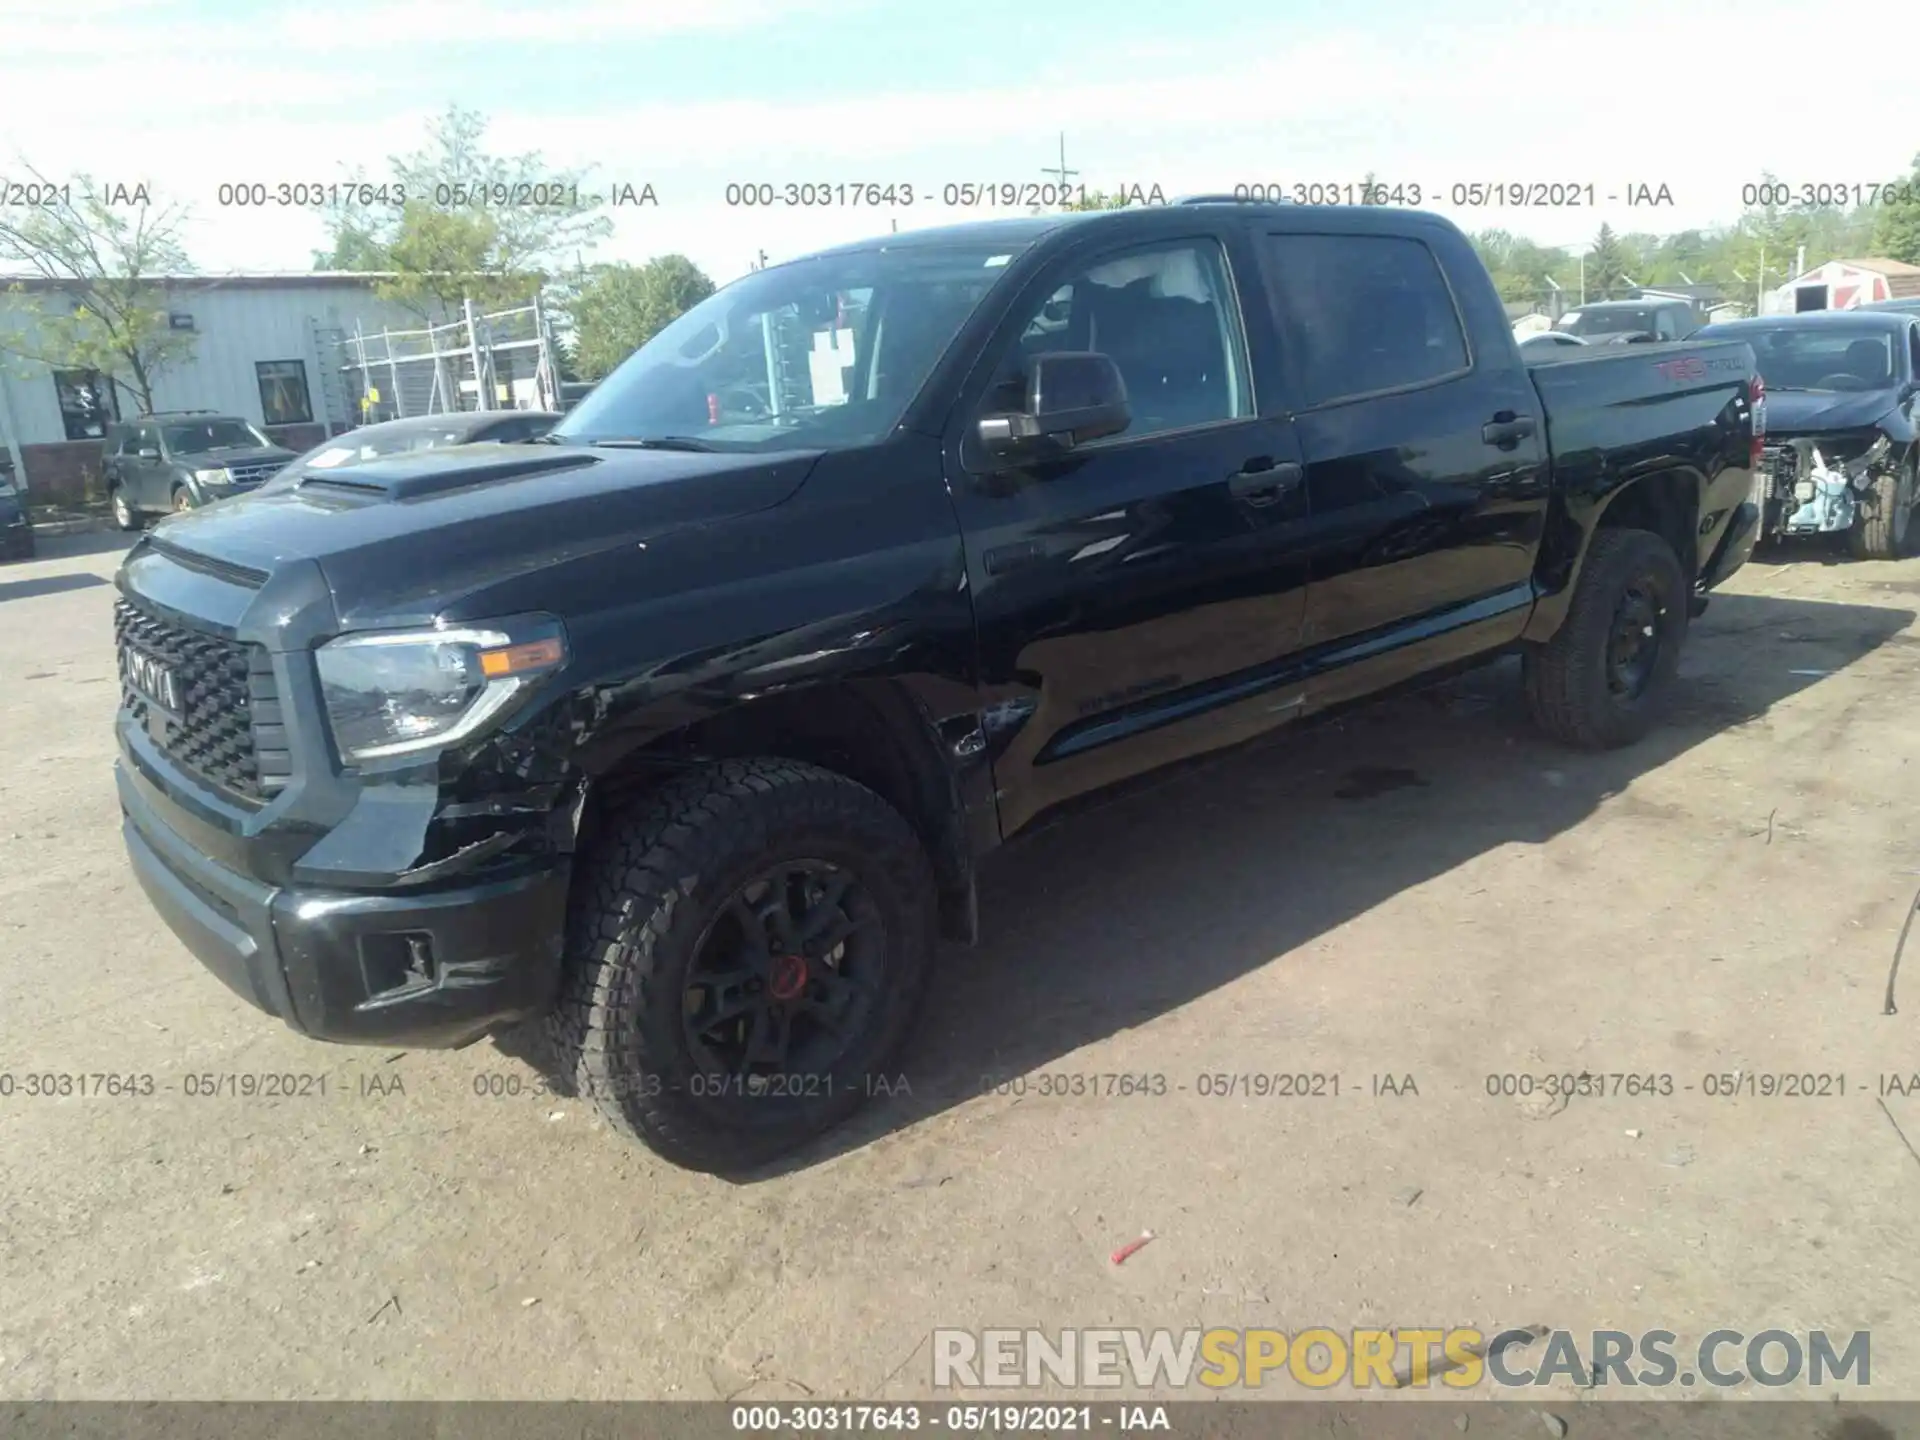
x: 518, y: 659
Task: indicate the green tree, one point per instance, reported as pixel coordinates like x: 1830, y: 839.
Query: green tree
x: 564, y: 361
x: 1521, y: 269
x: 105, y: 309
x: 1607, y: 262
x: 1896, y: 234
x: 452, y: 220
x: 1092, y: 200
x: 618, y: 308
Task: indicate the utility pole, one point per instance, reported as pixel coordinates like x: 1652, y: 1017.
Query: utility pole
x: 1060, y: 173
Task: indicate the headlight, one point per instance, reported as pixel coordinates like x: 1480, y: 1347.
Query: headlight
x: 214, y: 477
x: 1857, y: 468
x: 400, y: 692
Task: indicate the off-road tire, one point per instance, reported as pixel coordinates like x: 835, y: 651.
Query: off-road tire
x: 124, y: 515
x: 1883, y: 530
x: 645, y: 893
x: 1566, y: 679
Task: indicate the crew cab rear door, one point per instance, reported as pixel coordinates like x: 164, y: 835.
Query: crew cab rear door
x: 1133, y: 598
x: 1424, y: 444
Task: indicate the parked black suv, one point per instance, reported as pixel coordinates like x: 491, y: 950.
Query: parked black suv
x: 182, y: 459
x: 684, y: 729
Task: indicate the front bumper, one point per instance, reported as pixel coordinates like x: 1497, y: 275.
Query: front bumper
x: 426, y: 970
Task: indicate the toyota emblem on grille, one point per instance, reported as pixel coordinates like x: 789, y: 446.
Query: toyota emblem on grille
x: 153, y: 680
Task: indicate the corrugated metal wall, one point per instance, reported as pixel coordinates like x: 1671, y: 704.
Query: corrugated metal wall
x: 235, y: 328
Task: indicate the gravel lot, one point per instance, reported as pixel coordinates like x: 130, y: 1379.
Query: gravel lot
x: 1422, y: 890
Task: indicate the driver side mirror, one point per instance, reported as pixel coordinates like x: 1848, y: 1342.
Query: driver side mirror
x: 1073, y: 396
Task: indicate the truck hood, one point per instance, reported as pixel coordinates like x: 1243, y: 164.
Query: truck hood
x: 402, y: 537
x: 1815, y: 412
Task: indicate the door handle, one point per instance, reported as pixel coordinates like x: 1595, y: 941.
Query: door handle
x: 1507, y: 429
x: 1262, y: 480
x: 1003, y: 559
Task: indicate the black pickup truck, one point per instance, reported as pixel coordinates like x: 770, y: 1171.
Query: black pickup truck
x: 680, y: 733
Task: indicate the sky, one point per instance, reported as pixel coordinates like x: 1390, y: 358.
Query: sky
x: 1701, y: 98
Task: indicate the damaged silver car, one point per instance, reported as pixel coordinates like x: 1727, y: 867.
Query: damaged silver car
x: 1842, y: 453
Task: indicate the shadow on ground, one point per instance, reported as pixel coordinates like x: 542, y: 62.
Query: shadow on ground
x: 48, y: 585
x: 1105, y: 920
x: 28, y: 578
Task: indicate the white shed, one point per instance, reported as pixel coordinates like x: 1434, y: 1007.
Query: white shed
x: 1844, y: 284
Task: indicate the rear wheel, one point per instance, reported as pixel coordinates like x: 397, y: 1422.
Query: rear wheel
x: 1603, y: 679
x: 124, y: 515
x: 1882, y: 529
x: 747, y: 948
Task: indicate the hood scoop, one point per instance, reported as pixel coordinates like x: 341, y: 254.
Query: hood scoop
x: 411, y: 477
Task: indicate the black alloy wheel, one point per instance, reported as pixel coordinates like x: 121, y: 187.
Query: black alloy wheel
x: 747, y: 948
x: 1607, y: 673
x: 1633, y: 647
x: 786, y: 977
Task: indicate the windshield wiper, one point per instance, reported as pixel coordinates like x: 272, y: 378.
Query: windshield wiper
x: 654, y: 442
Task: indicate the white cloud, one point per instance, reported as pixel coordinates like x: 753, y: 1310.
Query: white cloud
x: 466, y: 23
x: 1534, y: 99
x: 375, y: 33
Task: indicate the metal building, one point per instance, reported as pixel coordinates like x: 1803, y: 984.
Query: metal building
x: 294, y: 353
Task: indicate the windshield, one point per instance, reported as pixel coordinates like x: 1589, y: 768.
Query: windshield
x: 824, y: 353
x: 1606, y: 322
x: 1801, y: 358
x: 353, y: 449
x: 202, y: 436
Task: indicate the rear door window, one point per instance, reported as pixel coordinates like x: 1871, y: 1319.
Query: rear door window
x: 1363, y: 314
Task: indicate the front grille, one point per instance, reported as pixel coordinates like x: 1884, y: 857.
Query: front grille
x: 254, y: 474
x: 228, y: 729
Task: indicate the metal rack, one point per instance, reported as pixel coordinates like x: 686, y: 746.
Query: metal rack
x: 502, y: 360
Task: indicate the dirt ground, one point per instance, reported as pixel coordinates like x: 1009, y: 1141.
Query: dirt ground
x: 1423, y: 890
